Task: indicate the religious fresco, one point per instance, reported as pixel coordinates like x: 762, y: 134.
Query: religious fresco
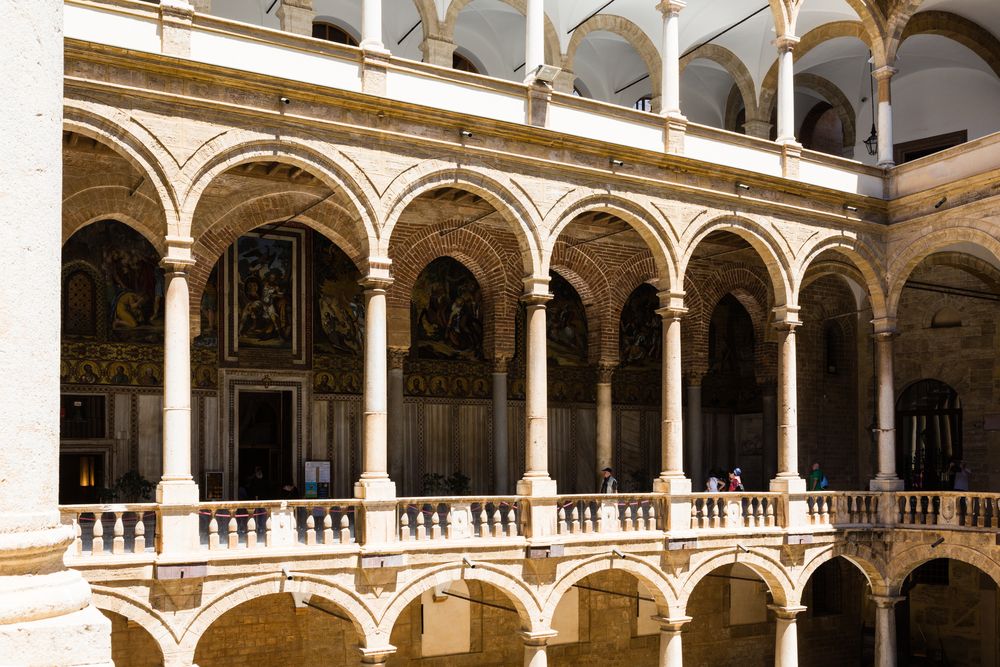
x: 209, y: 307
x: 339, y: 309
x: 131, y: 282
x: 264, y: 284
x: 446, y: 313
x: 123, y: 364
x: 640, y: 329
x: 566, y: 322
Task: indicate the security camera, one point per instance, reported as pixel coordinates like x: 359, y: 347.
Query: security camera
x: 286, y: 573
x: 742, y: 548
x: 466, y: 134
x: 617, y: 163
x: 618, y: 553
x: 467, y: 562
x: 284, y: 100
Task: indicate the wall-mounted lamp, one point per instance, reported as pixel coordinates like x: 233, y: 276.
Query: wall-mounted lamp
x: 619, y: 554
x: 546, y: 74
x: 742, y: 548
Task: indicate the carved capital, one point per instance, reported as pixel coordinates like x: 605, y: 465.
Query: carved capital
x: 500, y: 363
x: 397, y: 356
x: 671, y: 7
x: 605, y: 371
x: 786, y: 43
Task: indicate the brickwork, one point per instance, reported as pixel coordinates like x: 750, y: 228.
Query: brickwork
x: 131, y: 644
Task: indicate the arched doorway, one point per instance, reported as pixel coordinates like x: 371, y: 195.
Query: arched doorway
x: 928, y: 434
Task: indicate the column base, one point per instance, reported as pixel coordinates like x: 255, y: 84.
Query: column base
x: 789, y: 484
x: 177, y: 492
x: 80, y: 638
x: 542, y: 487
x: 672, y: 485
x: 886, y: 484
x: 381, y: 488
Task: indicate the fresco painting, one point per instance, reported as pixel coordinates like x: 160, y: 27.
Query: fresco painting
x: 339, y: 311
x: 566, y: 320
x: 265, y: 284
x: 640, y: 329
x: 446, y: 313
x: 209, y: 332
x: 133, y: 282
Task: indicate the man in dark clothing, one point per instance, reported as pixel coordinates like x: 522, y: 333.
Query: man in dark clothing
x: 610, y: 484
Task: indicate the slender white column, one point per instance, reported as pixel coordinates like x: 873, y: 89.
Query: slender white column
x: 534, y: 42
x: 536, y: 480
x: 376, y: 656
x: 883, y: 75
x: 534, y: 648
x: 671, y: 652
x: 501, y: 458
x: 46, y: 616
x: 788, y: 479
x: 176, y: 388
x: 605, y: 444
x: 671, y: 71
x: 672, y: 428
x: 786, y: 88
x: 399, y: 456
x: 371, y: 25
x: 375, y: 482
x: 886, y: 478
x: 769, y: 426
x: 786, y: 646
x: 692, y: 422
x: 885, y: 630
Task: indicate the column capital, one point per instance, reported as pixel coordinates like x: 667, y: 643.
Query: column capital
x: 537, y: 637
x: 605, y: 371
x: 672, y: 623
x: 500, y: 363
x: 536, y: 286
x: 786, y: 43
x: 377, y: 655
x: 372, y: 283
x: 535, y: 299
x: 786, y: 317
x: 671, y: 7
x: 884, y: 72
x: 786, y: 613
x: 883, y: 326
x: 397, y: 355
x: 886, y: 601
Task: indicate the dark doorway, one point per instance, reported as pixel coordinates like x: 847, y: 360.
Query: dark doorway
x: 81, y: 478
x: 265, y: 442
x: 928, y: 434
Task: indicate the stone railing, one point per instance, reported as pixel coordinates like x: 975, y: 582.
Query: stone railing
x: 618, y: 513
x: 458, y: 518
x: 130, y: 531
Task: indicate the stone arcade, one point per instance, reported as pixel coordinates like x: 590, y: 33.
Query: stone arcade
x: 339, y: 339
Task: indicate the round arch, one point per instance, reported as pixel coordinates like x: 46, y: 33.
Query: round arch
x: 524, y: 600
x: 642, y: 219
x: 655, y: 580
x: 905, y: 561
x: 779, y: 581
x: 82, y: 209
x: 761, y: 240
x: 216, y: 158
x: 865, y: 565
x: 956, y: 28
x: 552, y: 54
x: 866, y: 266
x: 134, y: 144
x: 907, y: 258
x: 515, y: 207
x: 628, y: 31
x: 590, y: 282
x: 348, y: 601
x: 730, y: 62
x: 115, y: 601
x: 836, y: 98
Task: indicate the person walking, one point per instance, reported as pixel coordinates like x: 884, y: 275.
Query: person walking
x: 610, y: 484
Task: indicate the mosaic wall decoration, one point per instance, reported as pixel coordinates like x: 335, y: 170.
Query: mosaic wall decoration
x: 447, y: 380
x: 111, y: 271
x: 337, y: 374
x: 446, y: 313
x: 566, y: 322
x: 339, y: 308
x: 640, y: 329
x: 111, y: 363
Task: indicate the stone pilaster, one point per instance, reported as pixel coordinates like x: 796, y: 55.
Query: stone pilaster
x: 297, y: 16
x: 501, y: 451
x: 604, y: 442
x: 175, y: 27
x: 437, y: 51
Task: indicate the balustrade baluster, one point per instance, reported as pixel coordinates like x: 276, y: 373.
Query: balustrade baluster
x: 561, y: 520
x: 345, y: 528
x: 251, y: 529
x: 97, y: 541
x: 422, y: 521
x: 213, y: 530
x: 771, y: 518
x: 588, y: 518
x: 310, y: 527
x: 575, y: 511
x: 651, y: 517
x: 234, y: 530
x: 824, y: 510
x: 404, y: 526
x: 695, y: 521
x: 328, y: 525
x: 435, y: 525
x: 513, y: 528
x: 78, y: 533
x: 497, y: 522
x: 484, y: 521
x: 118, y: 535
x: 139, y: 541
x: 268, y: 533
x: 449, y: 527
x: 716, y: 513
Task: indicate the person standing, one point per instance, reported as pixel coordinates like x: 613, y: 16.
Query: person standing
x: 816, y: 478
x: 736, y: 480
x: 610, y: 484
x: 961, y: 473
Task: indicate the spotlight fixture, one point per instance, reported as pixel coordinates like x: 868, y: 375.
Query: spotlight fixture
x: 742, y: 548
x: 615, y: 552
x: 284, y: 100
x: 546, y: 74
x: 466, y: 134
x: 617, y: 163
x: 941, y: 202
x: 938, y: 542
x: 852, y: 209
x: 468, y: 563
x: 743, y: 186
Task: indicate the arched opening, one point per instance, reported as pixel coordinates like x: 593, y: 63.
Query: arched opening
x: 612, y: 69
x: 705, y: 92
x: 131, y: 644
x: 947, y: 615
x: 729, y: 607
x: 280, y: 629
x: 446, y: 313
x: 822, y: 129
x: 331, y: 32
x: 929, y: 435
x: 838, y: 625
x: 489, y: 36
x: 462, y: 622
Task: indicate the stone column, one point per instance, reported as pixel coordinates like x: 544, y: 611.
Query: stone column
x: 375, y: 482
x: 46, y: 615
x: 534, y: 648
x: 671, y: 654
x: 534, y: 42
x: 400, y: 456
x: 755, y: 127
x: 883, y: 76
x: 692, y: 422
x: 176, y: 17
x: 671, y: 72
x: 885, y: 630
x: 501, y: 460
x: 786, y: 636
x: 437, y: 51
x: 786, y: 88
x: 371, y: 25
x: 297, y: 16
x: 769, y: 428
x: 536, y: 480
x: 672, y: 479
x: 788, y: 479
x: 604, y: 441
x: 886, y: 478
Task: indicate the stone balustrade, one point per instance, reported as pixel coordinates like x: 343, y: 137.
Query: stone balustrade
x: 125, y: 531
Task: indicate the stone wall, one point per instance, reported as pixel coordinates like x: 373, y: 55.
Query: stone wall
x: 131, y: 644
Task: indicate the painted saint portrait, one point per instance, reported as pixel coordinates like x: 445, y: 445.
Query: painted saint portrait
x: 265, y: 283
x: 339, y: 312
x: 566, y: 322
x: 446, y: 317
x: 209, y: 336
x: 131, y: 280
x: 640, y: 328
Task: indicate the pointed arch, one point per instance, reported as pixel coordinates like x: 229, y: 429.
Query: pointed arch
x: 774, y: 574
x: 862, y: 258
x: 956, y: 28
x: 119, y: 602
x: 868, y: 567
x: 904, y: 561
x: 115, y: 202
x: 552, y: 52
x: 730, y: 62
x: 588, y: 278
